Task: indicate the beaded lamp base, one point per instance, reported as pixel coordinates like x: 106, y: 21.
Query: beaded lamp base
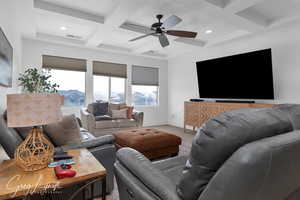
x: 35, y: 152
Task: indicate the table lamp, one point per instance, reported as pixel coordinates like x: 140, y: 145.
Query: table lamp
x: 33, y: 110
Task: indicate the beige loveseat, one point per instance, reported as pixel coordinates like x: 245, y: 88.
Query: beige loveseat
x: 105, y: 127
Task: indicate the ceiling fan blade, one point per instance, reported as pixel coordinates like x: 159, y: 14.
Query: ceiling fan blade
x: 140, y: 37
x: 187, y: 34
x: 171, y: 21
x: 163, y: 40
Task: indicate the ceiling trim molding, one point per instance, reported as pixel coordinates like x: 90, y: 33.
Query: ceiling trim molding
x: 194, y: 42
x: 43, y: 5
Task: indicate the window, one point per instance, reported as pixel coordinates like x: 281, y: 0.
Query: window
x: 101, y: 88
x: 71, y: 86
x: 117, y: 91
x: 144, y: 95
x: 145, y: 86
x: 110, y: 89
x: 109, y: 81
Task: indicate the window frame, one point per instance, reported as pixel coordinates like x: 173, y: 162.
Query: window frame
x: 144, y: 106
x: 109, y: 88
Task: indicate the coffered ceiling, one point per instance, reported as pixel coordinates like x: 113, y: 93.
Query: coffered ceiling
x: 109, y: 24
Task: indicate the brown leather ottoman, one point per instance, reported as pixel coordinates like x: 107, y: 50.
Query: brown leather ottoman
x: 150, y: 142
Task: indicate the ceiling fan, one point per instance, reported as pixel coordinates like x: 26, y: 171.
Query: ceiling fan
x: 160, y: 29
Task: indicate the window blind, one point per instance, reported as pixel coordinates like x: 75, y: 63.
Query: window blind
x: 109, y: 69
x: 145, y: 75
x: 63, y: 63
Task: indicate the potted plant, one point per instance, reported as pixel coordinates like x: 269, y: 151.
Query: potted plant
x: 33, y: 81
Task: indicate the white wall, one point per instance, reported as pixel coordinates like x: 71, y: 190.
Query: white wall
x: 285, y: 44
x: 9, y: 25
x: 32, y: 57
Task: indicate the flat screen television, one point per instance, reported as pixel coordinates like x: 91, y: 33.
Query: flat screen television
x: 6, y: 61
x: 244, y: 76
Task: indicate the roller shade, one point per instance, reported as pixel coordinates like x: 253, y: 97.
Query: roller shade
x: 144, y: 75
x: 109, y: 69
x: 56, y: 62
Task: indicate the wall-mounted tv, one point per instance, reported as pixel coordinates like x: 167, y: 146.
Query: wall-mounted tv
x: 6, y: 61
x: 244, y: 76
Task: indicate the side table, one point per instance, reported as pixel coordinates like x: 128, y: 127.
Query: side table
x: 16, y: 183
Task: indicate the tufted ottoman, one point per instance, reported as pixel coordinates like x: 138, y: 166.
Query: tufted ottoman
x: 152, y: 143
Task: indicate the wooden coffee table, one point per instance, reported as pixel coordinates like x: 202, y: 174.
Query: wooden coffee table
x: 16, y: 183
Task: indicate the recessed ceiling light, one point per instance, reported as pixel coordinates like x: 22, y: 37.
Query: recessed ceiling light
x: 63, y: 28
x: 208, y: 31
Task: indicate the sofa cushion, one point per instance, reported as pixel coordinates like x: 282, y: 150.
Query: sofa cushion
x: 129, y: 110
x: 119, y: 114
x: 113, y: 106
x: 127, y: 123
x: 171, y: 167
x: 66, y: 131
x: 98, y: 108
x: 220, y: 137
x: 9, y: 138
x: 107, y: 124
x: 103, y: 117
x: 293, y: 112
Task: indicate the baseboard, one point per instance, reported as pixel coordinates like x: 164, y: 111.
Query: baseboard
x: 155, y: 124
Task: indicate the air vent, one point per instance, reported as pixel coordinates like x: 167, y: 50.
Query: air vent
x: 76, y: 37
x: 113, y: 47
x: 154, y: 53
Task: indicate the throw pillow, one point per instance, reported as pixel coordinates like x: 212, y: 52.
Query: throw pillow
x: 119, y: 114
x: 129, y: 110
x: 23, y: 131
x: 98, y: 108
x: 111, y: 107
x: 66, y: 131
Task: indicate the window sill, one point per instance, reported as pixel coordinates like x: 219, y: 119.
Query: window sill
x: 155, y: 106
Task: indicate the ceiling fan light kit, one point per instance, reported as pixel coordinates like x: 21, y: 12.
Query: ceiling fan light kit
x: 159, y: 29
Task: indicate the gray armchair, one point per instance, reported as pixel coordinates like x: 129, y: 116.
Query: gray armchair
x: 101, y: 147
x: 105, y: 127
x: 244, y: 154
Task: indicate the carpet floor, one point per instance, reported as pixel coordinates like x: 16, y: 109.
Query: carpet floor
x: 184, y: 149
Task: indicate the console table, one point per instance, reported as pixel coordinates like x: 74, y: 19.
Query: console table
x: 196, y: 113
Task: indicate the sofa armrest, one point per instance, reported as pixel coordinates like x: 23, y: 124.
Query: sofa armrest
x: 88, y: 120
x: 142, y: 168
x: 98, y: 141
x: 139, y: 117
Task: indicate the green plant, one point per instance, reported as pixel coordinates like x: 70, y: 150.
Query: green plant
x: 33, y: 81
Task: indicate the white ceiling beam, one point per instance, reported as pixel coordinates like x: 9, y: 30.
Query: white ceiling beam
x: 114, y: 20
x: 43, y: 5
x: 228, y: 15
x: 235, y: 6
x: 194, y: 42
x: 51, y: 38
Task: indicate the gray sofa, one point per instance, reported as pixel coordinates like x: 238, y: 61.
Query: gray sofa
x: 244, y: 154
x: 101, y: 147
x: 105, y: 127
